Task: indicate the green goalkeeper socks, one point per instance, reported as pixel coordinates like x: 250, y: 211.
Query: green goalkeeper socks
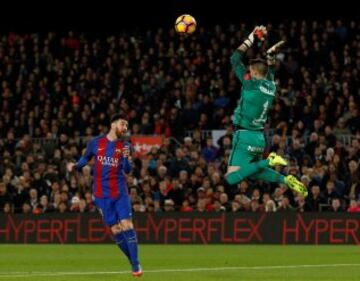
x: 246, y: 171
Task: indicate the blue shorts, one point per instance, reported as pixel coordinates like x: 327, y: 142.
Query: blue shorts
x: 114, y: 210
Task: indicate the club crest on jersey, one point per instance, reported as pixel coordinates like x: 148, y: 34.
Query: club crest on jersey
x: 118, y: 150
x: 108, y: 161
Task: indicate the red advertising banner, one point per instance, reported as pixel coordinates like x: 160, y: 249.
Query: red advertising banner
x: 143, y: 144
x: 188, y: 228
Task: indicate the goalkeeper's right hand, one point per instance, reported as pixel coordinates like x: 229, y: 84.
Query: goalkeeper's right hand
x: 259, y: 33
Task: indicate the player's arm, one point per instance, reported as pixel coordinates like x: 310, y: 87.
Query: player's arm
x: 271, y: 58
x: 85, y: 158
x: 236, y: 59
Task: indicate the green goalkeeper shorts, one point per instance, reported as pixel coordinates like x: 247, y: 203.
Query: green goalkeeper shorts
x: 247, y: 147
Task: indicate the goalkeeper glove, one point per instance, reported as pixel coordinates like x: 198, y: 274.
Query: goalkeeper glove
x: 258, y: 33
x: 271, y: 52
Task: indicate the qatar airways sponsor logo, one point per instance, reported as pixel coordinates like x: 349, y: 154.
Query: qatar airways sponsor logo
x: 108, y: 161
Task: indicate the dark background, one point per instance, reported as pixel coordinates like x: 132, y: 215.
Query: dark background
x: 117, y: 15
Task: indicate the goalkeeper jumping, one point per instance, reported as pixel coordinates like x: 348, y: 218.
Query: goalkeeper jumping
x: 257, y: 95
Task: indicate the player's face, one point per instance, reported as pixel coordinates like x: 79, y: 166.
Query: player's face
x: 253, y: 72
x: 121, y: 127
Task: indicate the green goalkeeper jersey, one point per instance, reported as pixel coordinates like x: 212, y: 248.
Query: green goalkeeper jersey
x: 256, y: 99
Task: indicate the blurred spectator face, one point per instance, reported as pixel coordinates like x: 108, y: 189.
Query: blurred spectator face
x: 211, y: 169
x: 254, y: 205
x: 223, y: 198
x: 33, y: 194
x: 82, y: 206
x: 55, y: 187
x: 133, y: 192
x: 206, y: 183
x: 198, y: 172
x: 88, y: 197
x: 266, y: 197
x: 75, y: 204
x: 201, y: 193
x: 353, y: 204
x: 237, y: 198
x: 216, y: 178
x: 188, y: 141
x: 183, y: 176
x: 217, y: 206
x: 276, y: 139
x: 26, y: 208
x: 169, y: 205
x: 285, y: 202
x: 335, y: 203
x: 330, y: 186
x: 64, y: 196
x: 328, y: 130
x: 353, y: 166
x: 243, y: 186
x: 256, y: 194
x: 136, y: 206
x: 209, y: 142
x: 201, y: 204
x: 315, y: 190
x: 314, y: 137
x: 7, y: 208
x: 278, y: 192
x: 235, y: 206
x: 57, y: 199
x: 270, y: 206
x: 163, y: 187
x: 220, y: 188
x: 226, y: 142
x: 330, y: 153
x: 44, y: 201
x: 162, y: 170
x: 179, y: 153
x: 62, y: 207
x: 305, y: 180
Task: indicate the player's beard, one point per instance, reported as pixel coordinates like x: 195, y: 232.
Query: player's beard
x: 119, y: 133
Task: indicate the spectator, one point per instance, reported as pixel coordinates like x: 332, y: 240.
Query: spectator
x: 354, y: 207
x: 336, y: 205
x: 311, y: 120
x: 209, y: 152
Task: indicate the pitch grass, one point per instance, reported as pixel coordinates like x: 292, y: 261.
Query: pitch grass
x: 180, y: 263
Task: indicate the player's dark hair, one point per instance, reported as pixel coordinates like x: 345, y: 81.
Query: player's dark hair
x: 117, y: 117
x: 260, y: 65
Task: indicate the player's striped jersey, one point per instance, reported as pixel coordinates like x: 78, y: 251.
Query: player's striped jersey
x: 110, y: 166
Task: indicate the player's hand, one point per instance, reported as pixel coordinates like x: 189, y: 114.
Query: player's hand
x: 70, y: 167
x: 260, y: 32
x: 126, y: 151
x: 275, y: 48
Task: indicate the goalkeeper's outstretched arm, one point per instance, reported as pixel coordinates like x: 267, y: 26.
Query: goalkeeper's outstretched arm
x: 236, y: 58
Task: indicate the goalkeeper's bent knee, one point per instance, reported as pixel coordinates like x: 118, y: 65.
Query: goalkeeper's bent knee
x: 234, y: 177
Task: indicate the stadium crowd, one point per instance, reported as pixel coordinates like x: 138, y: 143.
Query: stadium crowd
x: 58, y: 90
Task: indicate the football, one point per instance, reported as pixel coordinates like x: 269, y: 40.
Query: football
x: 185, y: 24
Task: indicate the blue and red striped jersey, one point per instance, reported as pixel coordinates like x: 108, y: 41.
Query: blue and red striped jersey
x: 110, y: 166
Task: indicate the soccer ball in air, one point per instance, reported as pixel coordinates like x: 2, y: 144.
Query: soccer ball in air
x: 185, y: 24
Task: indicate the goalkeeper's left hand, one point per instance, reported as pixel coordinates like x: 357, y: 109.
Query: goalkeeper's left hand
x: 272, y: 50
x: 270, y: 53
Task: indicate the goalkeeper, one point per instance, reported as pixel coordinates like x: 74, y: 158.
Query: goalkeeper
x: 257, y: 95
